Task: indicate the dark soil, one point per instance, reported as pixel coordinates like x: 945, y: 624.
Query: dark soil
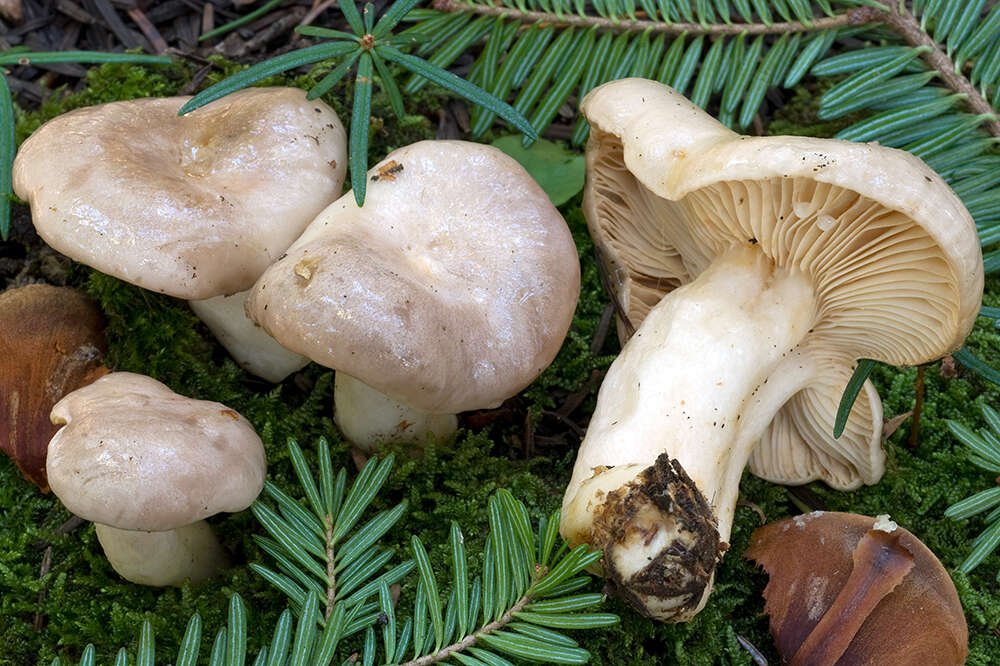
x: 172, y: 27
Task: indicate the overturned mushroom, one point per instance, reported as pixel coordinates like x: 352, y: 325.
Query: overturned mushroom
x: 451, y: 289
x: 849, y: 589
x: 755, y: 271
x: 53, y: 341
x: 148, y: 466
x: 195, y: 206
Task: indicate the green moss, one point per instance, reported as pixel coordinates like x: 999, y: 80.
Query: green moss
x: 800, y: 115
x: 81, y: 600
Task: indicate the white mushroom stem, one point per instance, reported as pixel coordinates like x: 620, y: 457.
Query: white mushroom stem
x: 165, y: 558
x: 368, y: 417
x: 657, y: 476
x: 256, y: 351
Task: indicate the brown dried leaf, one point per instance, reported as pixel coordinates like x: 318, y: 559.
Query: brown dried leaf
x: 880, y: 564
x: 810, y: 558
x: 892, y: 425
x: 54, y: 344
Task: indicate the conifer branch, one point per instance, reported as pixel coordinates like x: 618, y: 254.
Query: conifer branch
x: 907, y: 25
x: 848, y: 18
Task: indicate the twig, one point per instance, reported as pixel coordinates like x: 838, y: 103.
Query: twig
x: 756, y: 509
x: 909, y: 27
x: 117, y: 26
x: 331, y: 575
x: 574, y: 400
x: 636, y: 25
x: 471, y: 639
x: 803, y: 497
x: 208, y: 18
x: 568, y: 422
x: 529, y: 435
x: 148, y: 30
x: 197, y: 79
x: 601, y: 333
x: 317, y: 9
x: 917, y: 406
x: 70, y: 525
x: 755, y: 654
x: 74, y: 11
x: 43, y: 571
x: 283, y: 24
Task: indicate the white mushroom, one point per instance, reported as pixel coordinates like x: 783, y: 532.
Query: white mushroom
x: 451, y: 289
x: 195, y: 206
x: 755, y: 271
x: 148, y: 466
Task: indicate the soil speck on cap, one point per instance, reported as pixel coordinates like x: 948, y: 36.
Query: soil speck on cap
x: 304, y: 269
x: 388, y: 171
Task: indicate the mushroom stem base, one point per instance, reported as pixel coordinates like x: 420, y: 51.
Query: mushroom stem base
x: 166, y: 558
x: 677, y: 417
x: 660, y: 542
x: 368, y: 417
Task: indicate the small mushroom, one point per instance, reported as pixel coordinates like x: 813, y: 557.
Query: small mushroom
x: 53, y: 340
x: 847, y: 589
x: 451, y: 289
x: 194, y: 206
x: 148, y: 466
x: 754, y: 271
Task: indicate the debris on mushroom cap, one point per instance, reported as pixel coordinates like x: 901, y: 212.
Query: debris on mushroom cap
x: 862, y: 221
x: 135, y: 455
x: 451, y: 289
x: 844, y: 591
x: 53, y: 343
x: 884, y: 523
x: 193, y: 206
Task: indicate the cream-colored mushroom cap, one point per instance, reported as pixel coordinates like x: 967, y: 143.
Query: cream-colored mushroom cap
x: 451, y: 289
x: 193, y: 206
x: 135, y: 455
x: 892, y: 254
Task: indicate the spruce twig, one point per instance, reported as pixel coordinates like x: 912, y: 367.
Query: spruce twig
x: 849, y: 18
x: 331, y: 569
x: 906, y: 24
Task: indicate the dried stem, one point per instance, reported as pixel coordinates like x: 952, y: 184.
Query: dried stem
x: 471, y: 639
x: 903, y: 22
x: 638, y: 25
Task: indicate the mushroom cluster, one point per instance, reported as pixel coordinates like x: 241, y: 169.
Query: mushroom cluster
x: 452, y: 289
x: 752, y: 273
x: 193, y: 206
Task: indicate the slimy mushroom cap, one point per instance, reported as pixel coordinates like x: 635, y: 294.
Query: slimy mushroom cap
x: 134, y: 455
x: 451, y: 289
x: 193, y: 206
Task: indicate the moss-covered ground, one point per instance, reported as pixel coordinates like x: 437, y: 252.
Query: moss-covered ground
x: 80, y: 600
